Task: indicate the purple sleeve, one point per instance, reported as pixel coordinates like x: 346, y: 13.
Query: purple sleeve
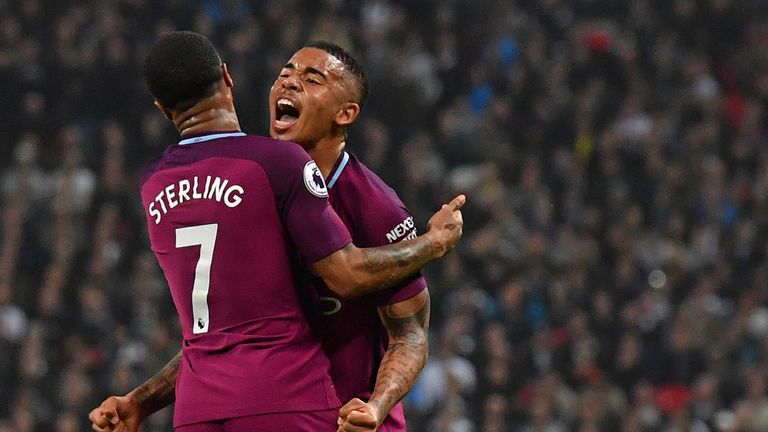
x: 387, y: 221
x: 402, y: 292
x: 302, y: 198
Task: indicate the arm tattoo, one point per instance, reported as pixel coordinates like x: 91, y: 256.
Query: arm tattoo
x: 159, y: 391
x: 393, y: 263
x: 405, y: 357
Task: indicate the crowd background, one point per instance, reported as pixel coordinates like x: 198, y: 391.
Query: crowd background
x: 613, y: 273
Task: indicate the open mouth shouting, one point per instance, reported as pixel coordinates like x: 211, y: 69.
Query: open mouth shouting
x: 287, y: 113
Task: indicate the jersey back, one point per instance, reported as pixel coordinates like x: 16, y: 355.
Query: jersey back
x: 225, y: 214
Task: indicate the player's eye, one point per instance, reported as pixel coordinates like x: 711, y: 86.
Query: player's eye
x: 313, y: 81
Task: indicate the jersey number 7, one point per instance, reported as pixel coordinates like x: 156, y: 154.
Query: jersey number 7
x: 205, y: 237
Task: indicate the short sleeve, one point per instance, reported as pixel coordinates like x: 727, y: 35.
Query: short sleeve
x: 302, y: 200
x: 402, y: 292
x: 385, y: 220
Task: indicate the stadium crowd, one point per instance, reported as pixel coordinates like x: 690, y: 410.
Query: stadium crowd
x: 613, y: 273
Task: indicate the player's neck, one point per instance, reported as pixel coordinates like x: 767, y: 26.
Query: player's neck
x: 326, y: 153
x: 212, y: 114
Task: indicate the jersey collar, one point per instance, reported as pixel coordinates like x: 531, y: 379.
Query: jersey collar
x: 203, y: 138
x: 337, y: 172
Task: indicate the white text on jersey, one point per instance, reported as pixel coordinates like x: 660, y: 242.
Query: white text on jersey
x: 401, y: 229
x: 190, y: 189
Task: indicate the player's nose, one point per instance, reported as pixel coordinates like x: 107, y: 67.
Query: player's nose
x: 290, y: 83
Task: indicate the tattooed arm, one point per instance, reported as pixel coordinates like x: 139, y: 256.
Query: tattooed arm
x: 353, y: 272
x: 407, y: 323
x: 125, y: 413
x: 159, y: 391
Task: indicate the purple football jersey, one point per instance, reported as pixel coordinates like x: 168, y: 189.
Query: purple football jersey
x: 226, y: 212
x: 351, y: 331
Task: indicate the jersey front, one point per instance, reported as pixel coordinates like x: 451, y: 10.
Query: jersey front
x: 226, y: 213
x: 351, y: 330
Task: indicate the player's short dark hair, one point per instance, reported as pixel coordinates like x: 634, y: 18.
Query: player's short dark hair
x: 181, y: 68
x: 350, y: 62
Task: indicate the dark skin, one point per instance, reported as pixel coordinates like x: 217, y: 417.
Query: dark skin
x: 349, y: 272
x: 125, y: 413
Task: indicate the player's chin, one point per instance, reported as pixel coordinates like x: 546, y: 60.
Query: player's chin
x: 282, y: 135
x: 276, y: 130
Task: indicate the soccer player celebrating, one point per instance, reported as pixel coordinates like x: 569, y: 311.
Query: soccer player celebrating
x: 318, y: 94
x: 226, y: 214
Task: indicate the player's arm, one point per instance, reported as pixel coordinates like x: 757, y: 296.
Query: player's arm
x: 159, y: 391
x: 407, y: 323
x: 353, y: 271
x: 125, y: 413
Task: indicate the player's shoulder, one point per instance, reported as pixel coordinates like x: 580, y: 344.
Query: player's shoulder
x: 149, y: 169
x: 275, y: 151
x: 279, y: 159
x: 359, y: 181
x: 286, y: 163
x: 239, y: 145
x: 272, y: 155
x: 383, y: 218
x: 157, y: 164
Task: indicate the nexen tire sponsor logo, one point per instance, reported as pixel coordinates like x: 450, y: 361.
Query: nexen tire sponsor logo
x: 401, y: 229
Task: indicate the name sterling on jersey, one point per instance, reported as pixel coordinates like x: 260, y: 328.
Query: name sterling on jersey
x: 403, y: 228
x: 189, y: 189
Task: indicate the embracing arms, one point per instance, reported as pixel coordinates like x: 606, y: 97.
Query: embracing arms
x: 354, y: 272
x: 349, y: 272
x: 125, y: 413
x: 407, y: 324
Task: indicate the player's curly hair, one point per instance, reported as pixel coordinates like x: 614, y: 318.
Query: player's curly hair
x: 181, y: 68
x: 352, y: 64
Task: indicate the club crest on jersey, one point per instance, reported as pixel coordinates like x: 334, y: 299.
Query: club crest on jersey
x: 313, y: 179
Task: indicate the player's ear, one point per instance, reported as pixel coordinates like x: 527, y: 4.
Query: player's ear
x: 347, y: 114
x: 166, y: 112
x: 227, y: 77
